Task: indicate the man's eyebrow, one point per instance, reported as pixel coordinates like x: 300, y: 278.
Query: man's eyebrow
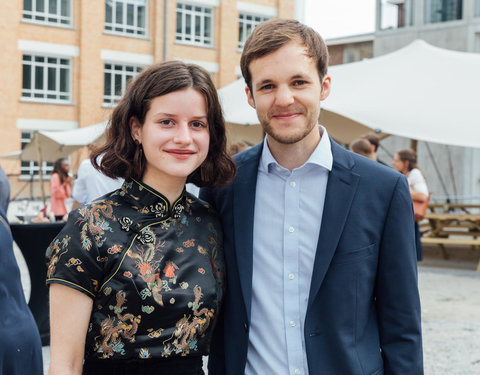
x: 261, y: 83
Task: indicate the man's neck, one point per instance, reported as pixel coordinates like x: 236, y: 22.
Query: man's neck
x: 294, y: 155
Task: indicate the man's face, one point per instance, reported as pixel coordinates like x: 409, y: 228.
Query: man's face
x: 286, y: 93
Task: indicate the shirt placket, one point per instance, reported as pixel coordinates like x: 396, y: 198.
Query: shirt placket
x: 291, y: 287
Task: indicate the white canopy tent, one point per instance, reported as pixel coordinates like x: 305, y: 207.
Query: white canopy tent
x: 420, y: 92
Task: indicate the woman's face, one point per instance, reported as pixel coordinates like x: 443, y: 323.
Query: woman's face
x: 65, y: 166
x: 175, y: 136
x: 399, y: 165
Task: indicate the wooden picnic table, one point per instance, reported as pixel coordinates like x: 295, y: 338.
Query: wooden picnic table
x: 452, y: 229
x: 450, y: 207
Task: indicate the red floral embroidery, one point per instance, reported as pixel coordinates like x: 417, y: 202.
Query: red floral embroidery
x: 189, y: 243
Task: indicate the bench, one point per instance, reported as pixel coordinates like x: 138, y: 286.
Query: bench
x: 451, y: 241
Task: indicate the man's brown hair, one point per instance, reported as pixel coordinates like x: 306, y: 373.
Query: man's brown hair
x: 373, y: 139
x: 119, y: 150
x: 273, y: 34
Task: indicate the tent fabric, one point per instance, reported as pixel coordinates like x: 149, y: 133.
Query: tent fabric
x: 52, y: 145
x: 420, y: 92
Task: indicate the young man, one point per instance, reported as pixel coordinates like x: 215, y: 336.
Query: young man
x: 319, y: 242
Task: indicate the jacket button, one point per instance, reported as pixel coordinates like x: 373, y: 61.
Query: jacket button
x: 246, y: 327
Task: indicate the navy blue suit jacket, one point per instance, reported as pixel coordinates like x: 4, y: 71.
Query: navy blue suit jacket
x: 363, y: 313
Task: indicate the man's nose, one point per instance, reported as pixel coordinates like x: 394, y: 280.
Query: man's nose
x: 284, y: 96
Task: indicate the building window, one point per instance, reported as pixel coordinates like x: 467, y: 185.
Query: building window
x: 396, y: 13
x: 246, y: 24
x: 194, y: 24
x: 116, y: 79
x: 46, y: 79
x: 477, y: 8
x: 53, y: 12
x: 30, y: 168
x: 443, y: 10
x: 126, y: 17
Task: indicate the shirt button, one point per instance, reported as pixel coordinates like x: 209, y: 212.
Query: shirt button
x: 291, y: 229
x: 292, y: 323
x: 291, y: 276
x: 297, y: 371
x: 293, y: 184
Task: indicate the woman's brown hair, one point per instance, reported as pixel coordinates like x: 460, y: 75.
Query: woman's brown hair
x: 410, y: 156
x: 119, y: 155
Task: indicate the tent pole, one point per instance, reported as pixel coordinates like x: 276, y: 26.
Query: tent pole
x: 40, y: 175
x: 414, y: 144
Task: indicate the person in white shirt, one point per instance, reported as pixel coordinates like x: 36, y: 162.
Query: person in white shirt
x: 405, y: 161
x: 91, y: 184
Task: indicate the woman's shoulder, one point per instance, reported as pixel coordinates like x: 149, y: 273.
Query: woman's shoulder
x: 199, y: 206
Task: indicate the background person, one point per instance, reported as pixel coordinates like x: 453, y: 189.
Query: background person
x: 375, y: 144
x: 363, y: 147
x: 405, y: 161
x: 136, y: 278
x: 91, y: 184
x: 4, y: 190
x: 20, y: 345
x: 60, y: 188
x: 319, y: 246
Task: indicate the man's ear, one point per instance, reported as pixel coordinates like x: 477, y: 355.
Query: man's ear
x: 327, y: 82
x: 250, y: 98
x: 135, y: 129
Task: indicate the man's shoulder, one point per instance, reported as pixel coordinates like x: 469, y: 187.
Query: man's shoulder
x: 248, y: 156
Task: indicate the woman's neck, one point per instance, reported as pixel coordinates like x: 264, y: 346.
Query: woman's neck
x: 170, y: 187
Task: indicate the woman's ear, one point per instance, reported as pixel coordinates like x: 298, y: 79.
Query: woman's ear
x: 135, y: 130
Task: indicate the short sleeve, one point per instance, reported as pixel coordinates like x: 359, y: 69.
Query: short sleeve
x: 79, y: 192
x: 73, y: 258
x: 417, y: 182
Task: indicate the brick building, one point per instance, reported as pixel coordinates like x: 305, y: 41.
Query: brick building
x: 66, y: 62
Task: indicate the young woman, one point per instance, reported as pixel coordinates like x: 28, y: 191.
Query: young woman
x: 60, y: 188
x: 136, y: 277
x: 405, y: 162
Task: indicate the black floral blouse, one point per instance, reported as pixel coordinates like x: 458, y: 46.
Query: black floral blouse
x: 154, y: 272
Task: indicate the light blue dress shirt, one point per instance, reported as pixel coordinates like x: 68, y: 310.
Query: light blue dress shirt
x: 288, y: 215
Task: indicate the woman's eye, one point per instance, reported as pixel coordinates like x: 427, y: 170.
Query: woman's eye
x: 198, y: 124
x: 166, y: 122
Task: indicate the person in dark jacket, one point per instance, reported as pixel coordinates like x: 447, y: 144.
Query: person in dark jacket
x: 20, y: 346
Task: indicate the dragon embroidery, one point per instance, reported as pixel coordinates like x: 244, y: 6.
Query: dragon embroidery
x: 113, y: 330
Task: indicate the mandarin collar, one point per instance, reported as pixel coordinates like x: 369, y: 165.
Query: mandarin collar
x: 152, y: 202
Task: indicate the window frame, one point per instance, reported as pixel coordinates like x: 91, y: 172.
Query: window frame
x: 243, y: 33
x: 42, y: 95
x: 44, y: 17
x: 31, y: 166
x: 428, y: 9
x: 112, y: 99
x: 196, y: 11
x: 115, y: 28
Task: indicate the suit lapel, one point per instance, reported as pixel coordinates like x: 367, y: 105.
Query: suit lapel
x: 341, y: 188
x: 244, y: 189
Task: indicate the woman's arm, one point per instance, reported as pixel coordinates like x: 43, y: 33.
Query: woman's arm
x: 418, y: 196
x: 69, y: 317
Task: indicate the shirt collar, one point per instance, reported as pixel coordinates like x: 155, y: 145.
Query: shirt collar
x: 152, y: 202
x: 321, y: 156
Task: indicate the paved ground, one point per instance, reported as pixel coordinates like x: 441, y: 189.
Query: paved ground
x: 450, y: 295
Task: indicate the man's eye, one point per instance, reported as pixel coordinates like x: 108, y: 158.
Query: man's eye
x: 299, y: 83
x: 266, y: 87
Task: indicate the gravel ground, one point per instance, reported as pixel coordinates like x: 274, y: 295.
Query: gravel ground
x: 450, y: 317
x: 451, y: 321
